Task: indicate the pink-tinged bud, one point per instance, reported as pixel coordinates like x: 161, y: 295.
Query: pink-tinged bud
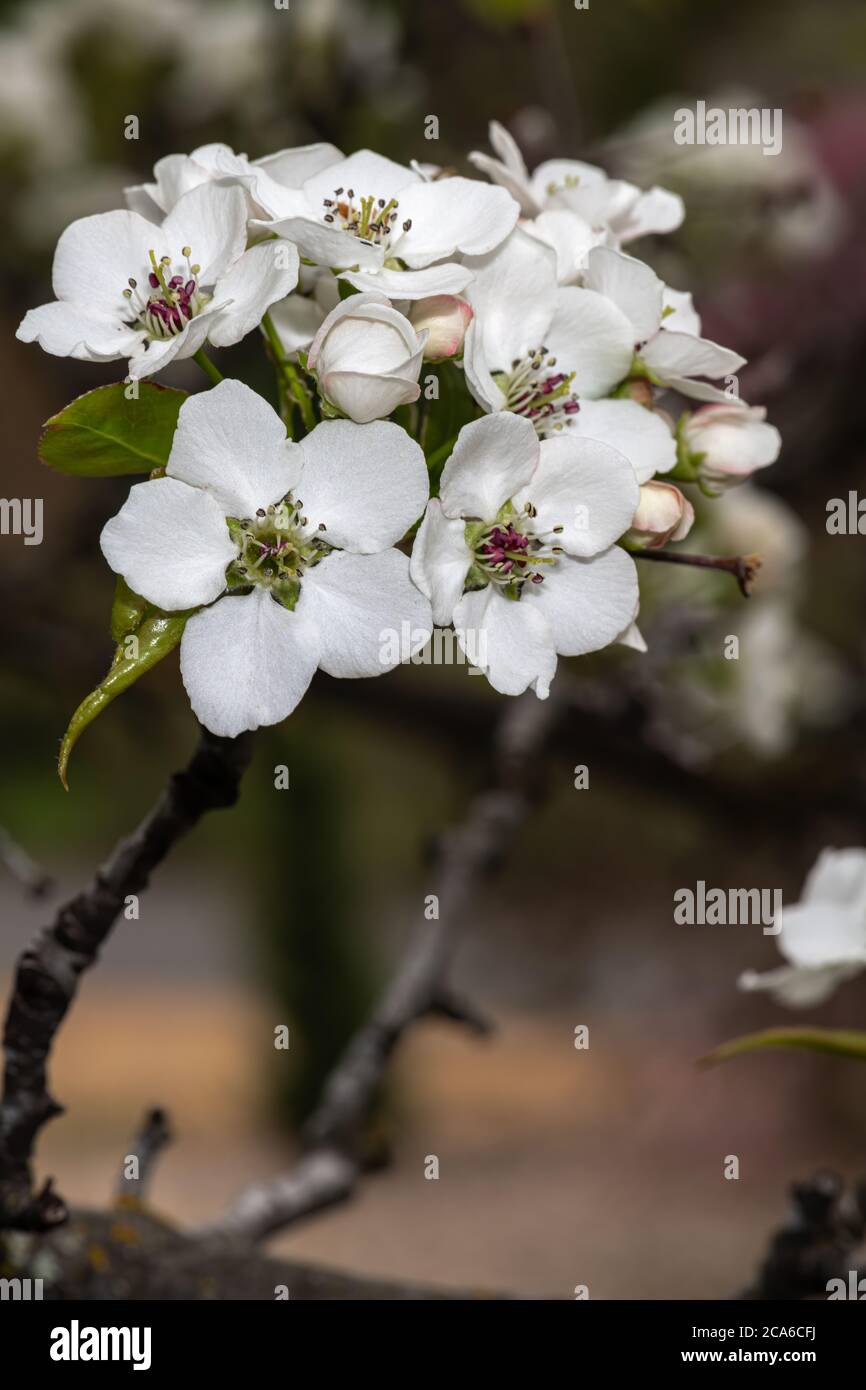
x: 732, y: 441
x: 446, y: 319
x: 663, y: 515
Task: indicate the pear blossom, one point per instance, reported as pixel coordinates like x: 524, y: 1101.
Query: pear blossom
x: 519, y: 550
x: 126, y: 287
x: 285, y: 549
x: 730, y: 442
x: 666, y: 326
x: 663, y: 515
x: 822, y: 937
x: 367, y: 357
x: 445, y: 319
x: 386, y: 227
x: 534, y: 346
x: 570, y: 185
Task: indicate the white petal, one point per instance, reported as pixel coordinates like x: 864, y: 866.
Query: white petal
x: 297, y: 321
x: 247, y: 662
x: 796, y: 988
x: 513, y: 295
x: 509, y: 640
x: 571, y: 237
x: 638, y: 433
x: 150, y: 355
x: 816, y: 934
x: 69, y: 330
x: 262, y: 276
x: 494, y: 457
x: 838, y: 876
x: 212, y: 221
x: 369, y: 614
x: 681, y: 316
x: 365, y: 173
x: 505, y: 145
x: 364, y: 398
x: 440, y: 560
x: 292, y: 167
x: 586, y: 488
x: 554, y: 175
x: 95, y: 257
x: 367, y: 483
x: 450, y: 216
x: 633, y: 287
x: 588, y: 603
x: 171, y: 544
x: 591, y: 337
x: 509, y: 170
x: 325, y: 245
x: 231, y: 442
x: 449, y: 278
x: 671, y: 354
x: 655, y: 211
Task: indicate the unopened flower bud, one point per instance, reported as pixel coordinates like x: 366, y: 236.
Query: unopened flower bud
x: 446, y: 319
x: 732, y: 441
x: 663, y: 515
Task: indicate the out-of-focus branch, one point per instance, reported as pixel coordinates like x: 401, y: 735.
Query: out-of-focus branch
x: 150, y: 1140
x: 17, y: 861
x: 47, y: 974
x: 333, y: 1139
x: 824, y: 1227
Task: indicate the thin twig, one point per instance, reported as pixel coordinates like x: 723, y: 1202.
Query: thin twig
x: 135, y: 1175
x: 47, y: 974
x: 744, y: 568
x: 333, y: 1158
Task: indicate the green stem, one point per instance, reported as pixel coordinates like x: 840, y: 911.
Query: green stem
x: 288, y: 374
x: 208, y: 367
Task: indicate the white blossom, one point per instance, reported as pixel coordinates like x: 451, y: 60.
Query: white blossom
x: 285, y: 549
x: 367, y: 357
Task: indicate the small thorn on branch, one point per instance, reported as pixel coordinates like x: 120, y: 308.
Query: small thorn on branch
x: 33, y: 879
x: 744, y: 568
x: 460, y: 1010
x: 139, y: 1163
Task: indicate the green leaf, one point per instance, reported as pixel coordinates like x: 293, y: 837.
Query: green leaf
x: 144, y: 635
x: 839, y: 1042
x: 104, y: 433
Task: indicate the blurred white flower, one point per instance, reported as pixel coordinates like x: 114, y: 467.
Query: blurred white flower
x: 519, y: 550
x: 823, y: 937
x: 567, y: 184
x: 288, y: 547
x: 733, y: 441
x: 367, y: 357
x: 128, y: 288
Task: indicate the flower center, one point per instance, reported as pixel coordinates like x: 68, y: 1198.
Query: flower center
x: 371, y: 219
x: 171, y: 300
x: 508, y: 554
x: 533, y: 388
x: 274, y: 550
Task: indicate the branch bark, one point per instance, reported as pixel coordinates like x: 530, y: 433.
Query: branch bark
x: 332, y: 1160
x: 47, y: 974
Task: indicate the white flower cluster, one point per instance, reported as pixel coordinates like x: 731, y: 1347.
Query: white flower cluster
x: 287, y: 551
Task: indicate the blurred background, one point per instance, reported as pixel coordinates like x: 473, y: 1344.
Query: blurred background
x: 557, y: 1167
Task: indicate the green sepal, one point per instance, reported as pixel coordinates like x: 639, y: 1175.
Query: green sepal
x: 346, y: 290
x: 839, y: 1042
x: 105, y: 433
x: 155, y: 634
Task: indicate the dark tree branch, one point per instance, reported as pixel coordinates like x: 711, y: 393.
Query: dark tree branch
x: 744, y: 568
x: 818, y: 1242
x: 333, y: 1157
x: 151, y: 1139
x: 47, y: 974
